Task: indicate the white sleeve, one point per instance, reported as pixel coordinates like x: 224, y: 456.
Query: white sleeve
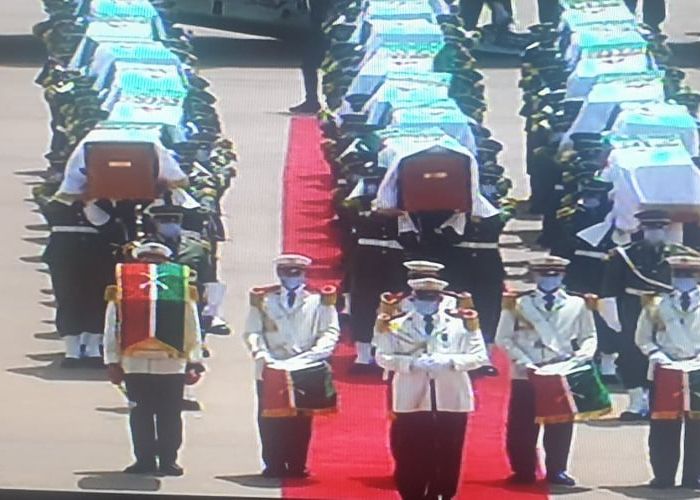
x: 112, y: 351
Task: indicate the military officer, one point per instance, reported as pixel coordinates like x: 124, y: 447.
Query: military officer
x: 632, y: 271
x: 289, y: 321
x: 81, y: 255
x: 653, y: 12
x: 154, y: 380
x: 668, y: 331
x: 535, y: 329
x: 427, y: 353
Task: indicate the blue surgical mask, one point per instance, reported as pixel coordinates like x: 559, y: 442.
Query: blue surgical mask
x: 549, y: 283
x: 425, y: 307
x: 590, y: 202
x: 169, y: 230
x: 685, y: 283
x: 292, y: 282
x: 655, y: 235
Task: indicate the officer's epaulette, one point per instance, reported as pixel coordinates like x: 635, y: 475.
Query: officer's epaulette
x: 111, y: 293
x: 510, y: 299
x: 389, y: 302
x: 469, y: 317
x: 329, y: 295
x: 382, y: 324
x: 258, y: 293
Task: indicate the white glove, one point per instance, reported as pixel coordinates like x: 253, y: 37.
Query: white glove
x: 580, y: 357
x: 423, y: 362
x: 660, y: 358
x: 441, y: 363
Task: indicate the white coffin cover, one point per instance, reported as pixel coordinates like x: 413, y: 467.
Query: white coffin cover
x: 581, y: 19
x: 374, y: 70
x: 651, y: 173
x: 659, y: 119
x: 145, y: 79
x: 400, y: 10
x: 403, y: 31
x: 402, y: 146
x: 75, y: 180
x: 124, y: 9
x: 602, y: 37
x: 607, y: 93
x: 444, y: 115
x: 606, y: 62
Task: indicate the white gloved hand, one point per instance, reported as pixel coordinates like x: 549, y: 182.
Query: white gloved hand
x: 660, y: 358
x: 441, y: 363
x: 424, y: 363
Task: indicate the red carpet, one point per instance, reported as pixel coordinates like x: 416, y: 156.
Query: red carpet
x: 349, y: 456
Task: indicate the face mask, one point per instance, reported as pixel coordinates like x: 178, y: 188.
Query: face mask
x: 292, y: 282
x: 426, y: 307
x: 549, y: 283
x: 590, y: 202
x: 685, y: 283
x: 655, y: 236
x: 169, y: 230
x: 202, y: 156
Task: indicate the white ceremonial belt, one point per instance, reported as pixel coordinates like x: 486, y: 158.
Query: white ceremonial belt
x: 479, y: 245
x: 371, y: 242
x: 74, y: 229
x: 636, y: 291
x: 590, y: 253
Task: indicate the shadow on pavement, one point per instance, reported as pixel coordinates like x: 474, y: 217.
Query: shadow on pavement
x: 116, y: 480
x: 225, y: 52
x: 47, y: 336
x: 117, y: 410
x: 646, y: 492
x: 54, y: 371
x: 252, y: 481
x: 24, y: 51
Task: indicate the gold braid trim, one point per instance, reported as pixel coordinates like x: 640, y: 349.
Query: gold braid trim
x: 329, y: 295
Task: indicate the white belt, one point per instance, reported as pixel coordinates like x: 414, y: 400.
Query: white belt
x: 479, y: 245
x: 74, y: 229
x: 371, y: 242
x: 636, y: 291
x: 591, y: 253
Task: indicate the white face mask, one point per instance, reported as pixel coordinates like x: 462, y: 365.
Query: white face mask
x: 655, y: 235
x: 684, y: 283
x: 549, y: 283
x: 292, y: 282
x: 426, y: 307
x: 590, y: 202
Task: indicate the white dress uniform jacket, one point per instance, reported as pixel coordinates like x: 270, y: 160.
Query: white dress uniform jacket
x: 532, y: 335
x: 450, y: 341
x: 157, y: 366
x: 273, y: 329
x: 664, y: 327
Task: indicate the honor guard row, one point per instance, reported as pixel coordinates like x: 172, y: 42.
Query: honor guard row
x: 137, y: 169
x: 416, y: 173
x: 601, y: 100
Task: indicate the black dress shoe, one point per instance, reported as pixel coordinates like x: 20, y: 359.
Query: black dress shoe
x: 191, y: 405
x: 521, y: 479
x: 171, y: 469
x: 305, y: 108
x: 561, y: 479
x: 488, y: 371
x: 691, y: 484
x: 142, y: 468
x: 631, y: 416
x: 273, y: 473
x: 365, y: 369
x: 661, y: 484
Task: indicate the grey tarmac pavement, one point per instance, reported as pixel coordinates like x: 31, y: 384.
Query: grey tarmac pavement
x: 68, y: 430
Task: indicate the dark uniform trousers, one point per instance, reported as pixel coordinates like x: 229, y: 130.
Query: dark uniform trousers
x: 665, y: 448
x: 314, y: 48
x: 285, y: 440
x: 155, y: 420
x: 470, y: 11
x: 522, y: 434
x: 653, y: 11
x: 427, y: 450
x: 632, y: 364
x: 548, y: 11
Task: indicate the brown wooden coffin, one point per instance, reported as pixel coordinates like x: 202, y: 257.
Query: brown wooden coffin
x: 435, y: 180
x: 121, y: 170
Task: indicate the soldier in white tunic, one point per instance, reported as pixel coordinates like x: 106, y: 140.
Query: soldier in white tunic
x: 427, y: 353
x: 544, y: 326
x: 669, y: 331
x: 289, y: 321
